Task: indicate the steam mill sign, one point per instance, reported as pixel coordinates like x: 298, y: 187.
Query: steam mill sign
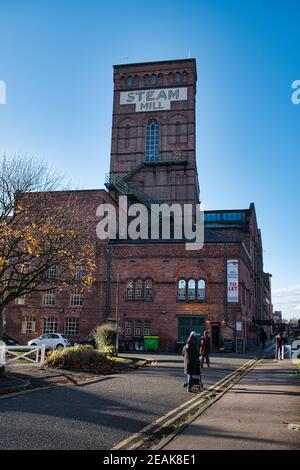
x: 153, y: 100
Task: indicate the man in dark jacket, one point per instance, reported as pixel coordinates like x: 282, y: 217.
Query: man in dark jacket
x: 262, y: 339
x: 204, y: 349
x: 191, y: 360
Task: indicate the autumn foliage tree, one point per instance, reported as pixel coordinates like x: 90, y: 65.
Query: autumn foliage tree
x: 40, y: 229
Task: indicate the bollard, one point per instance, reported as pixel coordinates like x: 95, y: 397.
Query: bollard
x: 43, y: 350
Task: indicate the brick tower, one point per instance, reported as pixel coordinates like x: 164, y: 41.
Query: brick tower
x: 153, y: 155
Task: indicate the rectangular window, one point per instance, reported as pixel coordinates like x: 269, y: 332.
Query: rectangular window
x: 51, y: 273
x: 49, y: 297
x: 148, y: 289
x: 130, y: 289
x: 50, y: 325
x: 21, y: 300
x: 147, y: 328
x: 28, y: 325
x: 76, y: 298
x: 79, y: 273
x: 128, y: 328
x: 139, y: 289
x: 138, y: 329
x: 72, y: 326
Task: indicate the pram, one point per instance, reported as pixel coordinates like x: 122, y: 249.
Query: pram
x: 197, y: 382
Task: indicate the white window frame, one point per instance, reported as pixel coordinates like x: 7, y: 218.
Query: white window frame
x: 72, y: 325
x: 50, y: 325
x: 48, y: 298
x: 76, y: 298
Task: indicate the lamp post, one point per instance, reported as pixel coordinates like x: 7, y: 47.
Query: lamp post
x: 117, y: 314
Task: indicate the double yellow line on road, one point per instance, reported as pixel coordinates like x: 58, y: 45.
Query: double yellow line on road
x: 175, y: 417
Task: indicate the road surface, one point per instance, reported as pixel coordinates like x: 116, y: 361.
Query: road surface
x: 100, y: 414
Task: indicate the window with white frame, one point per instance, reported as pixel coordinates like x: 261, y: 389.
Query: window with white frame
x: 28, y: 325
x: 152, y: 140
x: 138, y: 329
x: 148, y: 289
x: 147, y: 327
x: 138, y: 293
x: 201, y: 290
x: 51, y: 273
x: 49, y: 297
x: 128, y: 328
x: 130, y: 289
x: 76, y: 298
x: 72, y: 326
x: 182, y: 289
x: 50, y: 325
x: 21, y: 300
x: 191, y: 289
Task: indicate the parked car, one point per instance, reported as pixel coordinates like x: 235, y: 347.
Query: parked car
x: 51, y: 340
x: 9, y: 341
x: 86, y: 341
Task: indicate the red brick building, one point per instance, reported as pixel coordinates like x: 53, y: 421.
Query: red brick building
x: 157, y: 287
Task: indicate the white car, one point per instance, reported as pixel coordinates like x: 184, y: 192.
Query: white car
x: 51, y: 340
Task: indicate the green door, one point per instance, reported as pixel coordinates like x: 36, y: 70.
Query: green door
x: 187, y: 324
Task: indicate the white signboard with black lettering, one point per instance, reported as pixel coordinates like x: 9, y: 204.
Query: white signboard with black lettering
x: 153, y: 100
x: 232, y: 280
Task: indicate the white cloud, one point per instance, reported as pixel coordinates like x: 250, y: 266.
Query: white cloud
x: 287, y: 299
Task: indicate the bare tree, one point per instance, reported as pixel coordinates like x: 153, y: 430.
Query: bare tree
x: 40, y: 228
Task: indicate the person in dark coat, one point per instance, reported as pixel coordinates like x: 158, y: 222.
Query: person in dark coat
x: 262, y: 339
x: 191, y: 360
x: 205, y: 348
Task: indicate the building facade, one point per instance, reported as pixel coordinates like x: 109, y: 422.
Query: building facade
x: 157, y: 287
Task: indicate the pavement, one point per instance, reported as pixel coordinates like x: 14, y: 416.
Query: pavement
x: 100, y: 413
x: 256, y: 414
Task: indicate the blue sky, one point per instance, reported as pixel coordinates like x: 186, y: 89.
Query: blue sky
x: 56, y: 59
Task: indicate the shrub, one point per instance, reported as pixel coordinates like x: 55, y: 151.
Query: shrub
x: 105, y: 337
x: 74, y: 357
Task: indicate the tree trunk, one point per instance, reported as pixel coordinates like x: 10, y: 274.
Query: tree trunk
x: 2, y: 309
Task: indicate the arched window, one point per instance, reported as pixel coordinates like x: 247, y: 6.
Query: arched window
x: 181, y: 289
x: 160, y: 78
x: 152, y: 78
x: 152, y: 140
x: 148, y: 289
x: 127, y: 135
x: 177, y: 132
x: 178, y: 77
x: 201, y: 290
x: 191, y: 289
x: 130, y: 289
x: 138, y: 292
x: 129, y: 80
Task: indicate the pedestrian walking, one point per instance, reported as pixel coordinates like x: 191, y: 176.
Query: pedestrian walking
x: 205, y: 348
x: 262, y: 339
x: 278, y: 345
x: 191, y: 360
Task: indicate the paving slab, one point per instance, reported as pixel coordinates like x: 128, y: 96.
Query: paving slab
x: 256, y: 413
